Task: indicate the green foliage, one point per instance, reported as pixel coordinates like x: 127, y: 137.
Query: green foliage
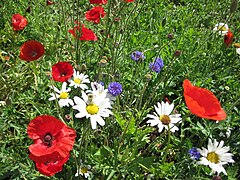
x: 126, y: 147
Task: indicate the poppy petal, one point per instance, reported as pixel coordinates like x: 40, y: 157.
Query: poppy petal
x: 202, y: 102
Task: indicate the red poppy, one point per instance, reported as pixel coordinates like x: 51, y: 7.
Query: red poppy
x: 49, y: 2
x: 62, y: 71
x: 53, y: 140
x: 202, y: 102
x: 52, y: 167
x: 129, y: 0
x: 228, y: 38
x: 18, y: 22
x: 98, y: 1
x: 31, y: 50
x: 83, y: 34
x: 95, y: 14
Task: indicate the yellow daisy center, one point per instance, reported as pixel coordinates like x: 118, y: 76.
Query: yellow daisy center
x: 222, y: 28
x: 92, y: 109
x: 84, y: 170
x: 213, y: 157
x: 165, y: 119
x: 63, y: 95
x: 77, y: 80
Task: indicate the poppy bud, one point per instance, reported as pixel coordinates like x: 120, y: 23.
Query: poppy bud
x: 102, y: 62
x: 148, y: 77
x: 68, y: 117
x: 83, y: 67
x: 170, y: 36
x: 217, y: 178
x: 233, y: 6
x: 28, y: 10
x: 177, y: 53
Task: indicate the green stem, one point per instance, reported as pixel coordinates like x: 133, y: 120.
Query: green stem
x: 168, y: 143
x: 57, y: 104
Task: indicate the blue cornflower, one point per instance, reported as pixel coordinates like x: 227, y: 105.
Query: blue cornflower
x: 194, y: 153
x: 157, y: 65
x: 115, y: 88
x: 137, y: 55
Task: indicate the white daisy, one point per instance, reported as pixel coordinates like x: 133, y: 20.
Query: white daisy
x: 93, y: 107
x: 215, y: 156
x: 62, y: 95
x: 162, y: 117
x: 222, y: 28
x: 79, y: 80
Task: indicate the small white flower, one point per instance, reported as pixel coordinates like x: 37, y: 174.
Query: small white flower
x: 83, y: 171
x: 162, y: 117
x: 215, y: 156
x: 79, y: 80
x: 93, y: 107
x: 222, y: 28
x: 62, y: 95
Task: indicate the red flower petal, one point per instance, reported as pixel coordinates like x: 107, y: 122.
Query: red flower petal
x: 62, y: 71
x: 83, y: 34
x: 98, y: 1
x: 52, y: 167
x: 228, y: 38
x: 49, y: 2
x: 31, y: 50
x: 18, y: 22
x: 95, y: 14
x: 52, y: 139
x: 202, y: 102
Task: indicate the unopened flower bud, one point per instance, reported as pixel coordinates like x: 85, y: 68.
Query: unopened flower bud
x: 148, y: 77
x: 170, y: 36
x: 217, y: 178
x: 68, y: 117
x: 102, y: 62
x: 83, y: 67
x: 233, y: 6
x: 177, y: 53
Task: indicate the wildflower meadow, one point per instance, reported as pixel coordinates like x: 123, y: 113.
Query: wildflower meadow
x: 120, y: 89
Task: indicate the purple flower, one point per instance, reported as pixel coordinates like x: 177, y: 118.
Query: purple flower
x: 115, y: 88
x: 137, y: 55
x: 157, y: 65
x: 194, y: 153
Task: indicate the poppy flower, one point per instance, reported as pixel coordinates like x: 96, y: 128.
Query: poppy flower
x: 129, y: 0
x: 95, y: 14
x: 202, y: 102
x: 98, y: 1
x: 83, y: 34
x: 53, y: 140
x: 31, y: 50
x: 62, y: 71
x: 52, y: 167
x: 228, y: 38
x: 18, y: 22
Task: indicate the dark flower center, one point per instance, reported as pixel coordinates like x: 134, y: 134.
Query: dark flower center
x: 33, y: 54
x: 47, y: 139
x: 63, y: 74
